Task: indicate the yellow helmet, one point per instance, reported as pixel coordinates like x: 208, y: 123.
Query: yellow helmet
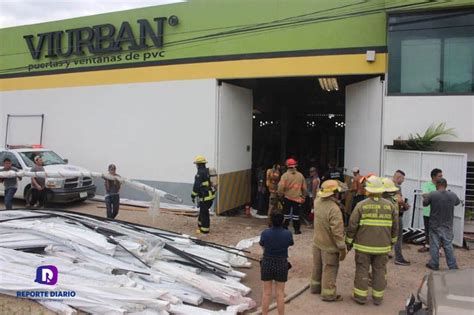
x: 200, y: 160
x: 389, y: 185
x: 374, y: 185
x: 328, y: 188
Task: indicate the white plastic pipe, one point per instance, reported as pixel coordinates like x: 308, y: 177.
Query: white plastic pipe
x: 151, y: 191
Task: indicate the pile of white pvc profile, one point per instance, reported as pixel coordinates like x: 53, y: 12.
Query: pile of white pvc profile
x: 116, y: 267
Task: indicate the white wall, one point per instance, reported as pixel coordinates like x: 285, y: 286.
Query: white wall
x: 458, y: 147
x: 363, y: 126
x: 413, y: 114
x: 24, y: 130
x: 152, y: 131
x: 235, y: 128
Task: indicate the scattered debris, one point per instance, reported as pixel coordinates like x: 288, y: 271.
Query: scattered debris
x: 165, y: 207
x: 253, y: 213
x: 247, y: 243
x: 117, y: 267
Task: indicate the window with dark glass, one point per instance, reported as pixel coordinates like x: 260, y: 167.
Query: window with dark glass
x: 431, y: 52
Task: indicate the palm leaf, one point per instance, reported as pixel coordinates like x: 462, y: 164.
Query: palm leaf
x: 426, y: 141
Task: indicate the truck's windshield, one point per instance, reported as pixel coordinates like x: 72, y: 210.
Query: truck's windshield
x: 49, y: 157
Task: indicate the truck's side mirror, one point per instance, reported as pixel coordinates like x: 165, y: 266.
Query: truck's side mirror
x: 66, y: 161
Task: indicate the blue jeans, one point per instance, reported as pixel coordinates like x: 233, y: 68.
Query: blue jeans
x: 112, y: 203
x: 442, y: 236
x: 9, y: 193
x: 398, y: 244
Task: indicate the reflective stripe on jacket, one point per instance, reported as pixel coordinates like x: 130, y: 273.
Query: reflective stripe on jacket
x: 373, y: 226
x: 292, y: 186
x: 202, y: 187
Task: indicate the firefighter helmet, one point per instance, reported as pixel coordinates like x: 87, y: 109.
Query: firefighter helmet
x: 200, y: 160
x: 328, y: 188
x: 374, y: 185
x: 389, y: 185
x: 291, y: 163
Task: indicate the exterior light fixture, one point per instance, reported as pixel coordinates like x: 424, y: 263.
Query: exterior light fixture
x: 370, y: 55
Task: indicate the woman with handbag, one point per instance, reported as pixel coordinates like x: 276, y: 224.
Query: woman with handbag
x: 274, y: 265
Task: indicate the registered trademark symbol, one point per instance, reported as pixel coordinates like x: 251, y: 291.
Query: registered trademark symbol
x: 173, y: 20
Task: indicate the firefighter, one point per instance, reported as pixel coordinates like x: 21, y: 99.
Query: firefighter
x: 292, y: 187
x: 328, y: 242
x: 372, y: 230
x: 204, y: 191
x: 272, y: 179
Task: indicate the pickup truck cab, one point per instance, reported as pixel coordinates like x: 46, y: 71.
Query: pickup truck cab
x: 443, y: 293
x: 57, y: 190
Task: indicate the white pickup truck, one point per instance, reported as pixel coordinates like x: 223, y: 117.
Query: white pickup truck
x: 57, y: 190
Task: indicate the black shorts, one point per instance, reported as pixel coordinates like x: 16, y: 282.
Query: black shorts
x: 274, y: 268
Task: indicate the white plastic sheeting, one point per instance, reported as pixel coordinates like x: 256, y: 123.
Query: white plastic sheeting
x: 116, y: 267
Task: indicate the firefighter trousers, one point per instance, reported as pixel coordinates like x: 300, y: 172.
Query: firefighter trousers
x: 204, y: 222
x: 379, y: 270
x: 324, y: 275
x: 291, y: 211
x: 272, y: 203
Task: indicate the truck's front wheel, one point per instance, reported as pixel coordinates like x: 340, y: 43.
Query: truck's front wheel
x: 27, y: 195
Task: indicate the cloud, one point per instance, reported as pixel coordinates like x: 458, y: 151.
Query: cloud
x: 24, y: 12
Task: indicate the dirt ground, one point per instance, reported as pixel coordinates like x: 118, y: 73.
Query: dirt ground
x: 230, y: 230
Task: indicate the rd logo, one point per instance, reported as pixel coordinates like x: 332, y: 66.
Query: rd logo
x: 47, y: 275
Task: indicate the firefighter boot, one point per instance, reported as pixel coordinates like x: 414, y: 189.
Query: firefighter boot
x: 297, y: 225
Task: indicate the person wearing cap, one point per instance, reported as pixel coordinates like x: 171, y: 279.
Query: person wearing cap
x: 357, y: 187
x: 328, y: 242
x: 38, y: 185
x: 372, y: 230
x: 204, y: 191
x: 442, y: 204
x: 112, y: 196
x: 292, y: 188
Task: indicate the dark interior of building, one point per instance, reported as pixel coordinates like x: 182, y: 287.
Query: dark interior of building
x: 299, y: 117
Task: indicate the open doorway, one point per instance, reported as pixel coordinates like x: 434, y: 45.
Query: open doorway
x: 300, y: 117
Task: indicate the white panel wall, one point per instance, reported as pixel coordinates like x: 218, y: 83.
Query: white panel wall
x: 363, y: 126
x: 152, y: 131
x: 413, y: 114
x: 235, y: 128
x: 417, y: 166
